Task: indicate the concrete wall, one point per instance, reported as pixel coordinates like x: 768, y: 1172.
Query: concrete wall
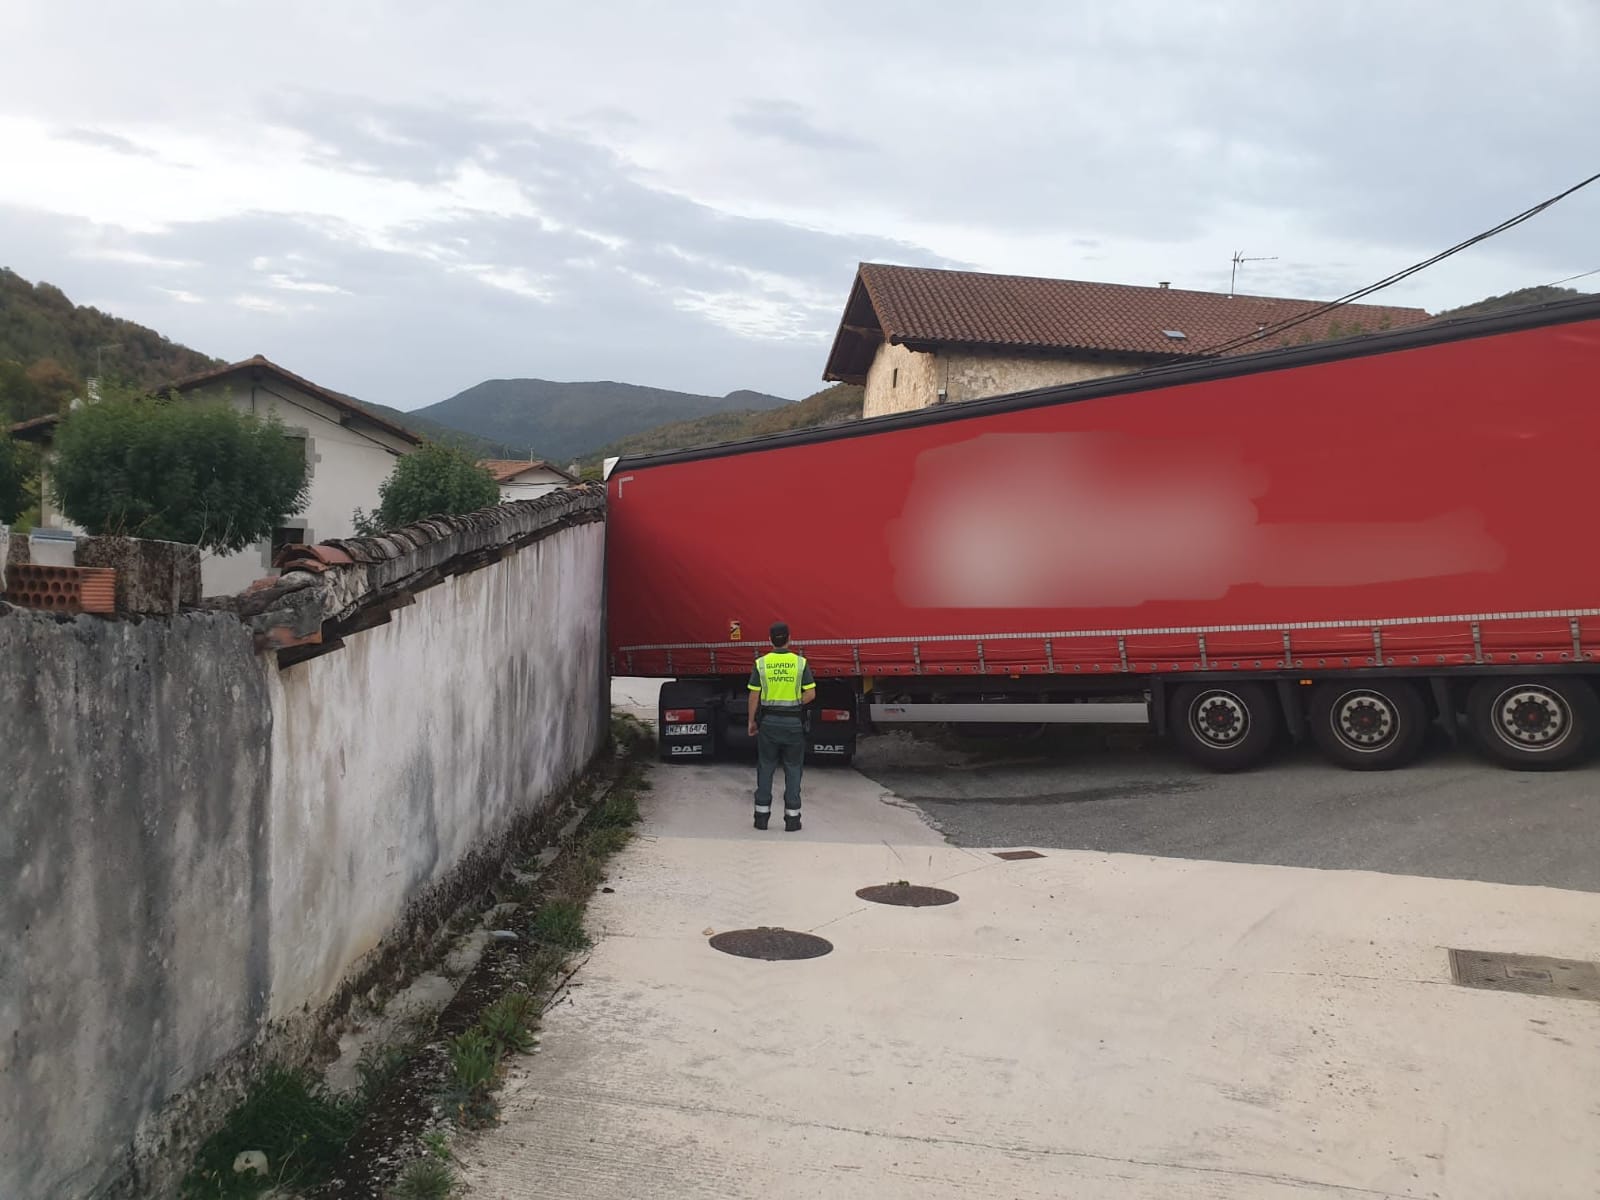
x: 133, y: 921
x: 969, y: 375
x: 382, y: 782
x: 201, y: 849
x: 345, y: 466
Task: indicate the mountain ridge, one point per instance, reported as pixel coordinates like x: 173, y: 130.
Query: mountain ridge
x: 564, y: 420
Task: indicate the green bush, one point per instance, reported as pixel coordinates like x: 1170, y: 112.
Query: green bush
x: 177, y: 470
x: 435, y: 481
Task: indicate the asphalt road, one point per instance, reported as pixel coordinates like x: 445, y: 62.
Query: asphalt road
x: 1450, y: 815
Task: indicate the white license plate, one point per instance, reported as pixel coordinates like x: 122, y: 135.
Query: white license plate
x: 684, y: 730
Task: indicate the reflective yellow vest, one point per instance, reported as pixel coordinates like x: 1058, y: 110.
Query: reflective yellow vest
x: 781, y: 673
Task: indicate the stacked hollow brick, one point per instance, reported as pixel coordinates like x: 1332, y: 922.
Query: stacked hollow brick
x: 62, y: 589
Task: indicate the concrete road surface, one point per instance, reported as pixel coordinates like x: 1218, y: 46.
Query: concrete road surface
x: 1083, y: 1024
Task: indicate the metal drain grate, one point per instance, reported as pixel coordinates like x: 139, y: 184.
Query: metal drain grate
x: 907, y: 895
x: 1528, y: 974
x: 1013, y: 855
x: 771, y: 944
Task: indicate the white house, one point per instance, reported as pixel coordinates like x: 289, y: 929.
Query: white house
x: 349, y: 453
x: 524, y: 479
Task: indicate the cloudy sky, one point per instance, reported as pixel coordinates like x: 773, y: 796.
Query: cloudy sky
x: 400, y: 199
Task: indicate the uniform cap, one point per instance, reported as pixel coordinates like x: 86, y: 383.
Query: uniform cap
x: 779, y: 633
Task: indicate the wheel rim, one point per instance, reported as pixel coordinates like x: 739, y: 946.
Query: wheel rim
x: 1365, y: 721
x: 1219, y: 718
x: 1531, y: 719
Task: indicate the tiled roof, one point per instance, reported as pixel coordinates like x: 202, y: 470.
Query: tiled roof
x: 925, y: 308
x: 36, y: 429
x: 505, y: 470
x: 261, y: 364
x: 43, y: 428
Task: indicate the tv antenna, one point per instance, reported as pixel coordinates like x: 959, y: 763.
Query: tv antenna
x: 1238, y: 257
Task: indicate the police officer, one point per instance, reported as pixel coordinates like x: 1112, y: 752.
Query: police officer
x: 781, y: 686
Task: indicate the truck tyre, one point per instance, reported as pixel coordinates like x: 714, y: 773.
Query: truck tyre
x: 1225, y: 726
x: 1533, y: 724
x: 1366, y: 725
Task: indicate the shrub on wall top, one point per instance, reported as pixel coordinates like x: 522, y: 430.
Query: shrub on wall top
x: 435, y: 481
x: 177, y: 470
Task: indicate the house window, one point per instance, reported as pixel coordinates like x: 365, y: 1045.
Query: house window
x: 287, y: 535
x: 894, y: 378
x: 298, y: 441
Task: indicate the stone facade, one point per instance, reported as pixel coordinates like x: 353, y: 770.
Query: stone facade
x: 901, y: 379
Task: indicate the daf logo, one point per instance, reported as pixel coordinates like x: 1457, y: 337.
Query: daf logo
x: 696, y: 749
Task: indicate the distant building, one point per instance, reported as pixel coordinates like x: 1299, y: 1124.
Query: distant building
x: 523, y: 479
x: 915, y: 337
x: 349, y: 453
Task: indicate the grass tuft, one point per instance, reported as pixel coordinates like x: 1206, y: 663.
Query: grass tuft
x: 560, y: 923
x: 474, y: 1066
x: 292, y: 1118
x: 430, y: 1178
x: 508, y: 1022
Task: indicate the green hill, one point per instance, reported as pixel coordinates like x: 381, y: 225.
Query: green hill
x: 1516, y: 299
x: 563, y: 420
x: 49, y: 347
x: 831, y: 406
x: 436, y: 431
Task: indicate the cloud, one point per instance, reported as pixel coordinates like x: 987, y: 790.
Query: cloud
x: 410, y: 206
x: 792, y: 124
x: 105, y: 140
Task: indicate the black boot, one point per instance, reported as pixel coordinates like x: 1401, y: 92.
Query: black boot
x: 762, y: 819
x: 791, y: 824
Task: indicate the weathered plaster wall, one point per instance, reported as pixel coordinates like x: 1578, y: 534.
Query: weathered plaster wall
x: 969, y: 375
x: 420, y: 738
x: 197, y: 849
x: 899, y: 380
x: 133, y: 853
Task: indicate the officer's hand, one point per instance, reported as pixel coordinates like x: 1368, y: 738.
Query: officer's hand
x: 753, y: 730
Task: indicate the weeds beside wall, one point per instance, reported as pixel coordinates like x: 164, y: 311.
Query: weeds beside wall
x: 212, y: 824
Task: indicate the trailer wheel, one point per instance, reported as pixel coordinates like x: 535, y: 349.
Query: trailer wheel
x: 1368, y: 726
x: 1534, y: 724
x: 1225, y: 726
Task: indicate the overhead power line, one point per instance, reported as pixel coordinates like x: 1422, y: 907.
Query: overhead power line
x: 1312, y: 314
x: 1570, y: 278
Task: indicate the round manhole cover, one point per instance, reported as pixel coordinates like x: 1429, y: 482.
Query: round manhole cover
x: 907, y: 895
x: 773, y: 945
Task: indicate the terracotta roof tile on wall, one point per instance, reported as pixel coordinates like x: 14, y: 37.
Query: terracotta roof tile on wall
x: 926, y: 308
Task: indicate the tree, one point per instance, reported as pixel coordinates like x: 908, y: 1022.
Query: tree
x: 435, y: 481
x: 178, y: 471
x: 14, y: 473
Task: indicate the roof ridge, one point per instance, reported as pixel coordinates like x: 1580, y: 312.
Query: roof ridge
x: 1137, y: 287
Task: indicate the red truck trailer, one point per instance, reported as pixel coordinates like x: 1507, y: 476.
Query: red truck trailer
x: 1344, y: 541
